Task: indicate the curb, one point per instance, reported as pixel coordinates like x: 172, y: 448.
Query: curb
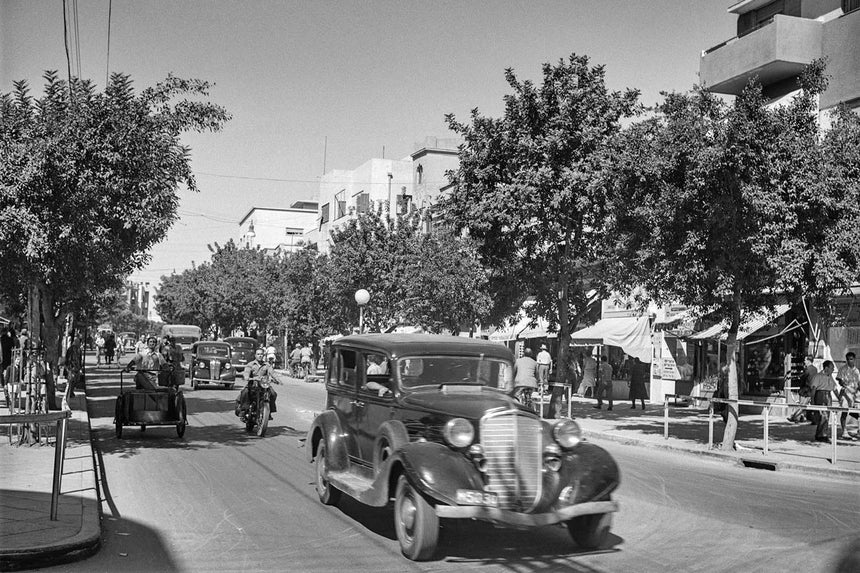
x: 734, y: 457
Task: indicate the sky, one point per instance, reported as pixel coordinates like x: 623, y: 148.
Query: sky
x: 317, y: 85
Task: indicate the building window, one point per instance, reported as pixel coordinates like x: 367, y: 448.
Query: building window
x: 362, y: 202
x: 420, y: 171
x: 340, y: 204
x: 324, y: 214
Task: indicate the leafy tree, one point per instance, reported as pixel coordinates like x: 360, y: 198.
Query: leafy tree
x: 527, y: 189
x: 726, y: 207
x: 88, y: 184
x: 415, y: 276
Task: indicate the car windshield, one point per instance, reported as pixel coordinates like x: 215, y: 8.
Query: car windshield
x: 417, y: 371
x: 242, y: 345
x: 214, y: 350
x: 185, y: 339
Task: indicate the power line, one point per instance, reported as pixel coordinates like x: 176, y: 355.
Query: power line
x: 107, y: 64
x: 77, y: 37
x: 66, y: 43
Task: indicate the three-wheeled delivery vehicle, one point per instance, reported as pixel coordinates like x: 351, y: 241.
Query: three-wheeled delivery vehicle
x: 164, y: 406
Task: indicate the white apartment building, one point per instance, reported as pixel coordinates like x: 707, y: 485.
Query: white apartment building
x: 278, y: 230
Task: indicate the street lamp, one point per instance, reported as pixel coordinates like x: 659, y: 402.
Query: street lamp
x: 361, y: 298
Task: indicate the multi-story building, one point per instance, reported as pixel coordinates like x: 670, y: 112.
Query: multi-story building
x: 140, y: 297
x: 279, y: 230
x: 776, y: 39
x: 395, y: 184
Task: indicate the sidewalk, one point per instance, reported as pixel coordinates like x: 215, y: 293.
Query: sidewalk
x: 28, y: 538
x: 790, y: 446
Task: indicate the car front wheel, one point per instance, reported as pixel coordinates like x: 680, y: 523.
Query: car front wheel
x: 590, y: 531
x: 415, y: 521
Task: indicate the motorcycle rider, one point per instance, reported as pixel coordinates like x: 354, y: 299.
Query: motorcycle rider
x: 255, y: 371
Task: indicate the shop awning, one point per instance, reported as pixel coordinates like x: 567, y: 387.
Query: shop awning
x: 747, y: 328
x: 631, y: 334
x: 522, y: 329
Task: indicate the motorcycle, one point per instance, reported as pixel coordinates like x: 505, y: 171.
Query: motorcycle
x: 256, y: 417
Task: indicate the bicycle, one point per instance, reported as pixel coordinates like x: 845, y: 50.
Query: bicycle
x: 523, y: 395
x: 295, y: 370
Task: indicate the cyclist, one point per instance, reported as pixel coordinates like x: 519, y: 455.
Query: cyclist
x: 295, y: 359
x: 307, y: 359
x: 525, y: 377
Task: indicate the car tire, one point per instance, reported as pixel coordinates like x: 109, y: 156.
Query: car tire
x: 415, y: 521
x: 328, y: 494
x: 392, y: 436
x: 590, y: 531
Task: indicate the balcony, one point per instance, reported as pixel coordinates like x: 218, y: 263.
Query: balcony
x: 776, y: 51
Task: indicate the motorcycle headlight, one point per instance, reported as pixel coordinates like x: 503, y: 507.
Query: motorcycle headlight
x: 567, y: 433
x: 459, y: 432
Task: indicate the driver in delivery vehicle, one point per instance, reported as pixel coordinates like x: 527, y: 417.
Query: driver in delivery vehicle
x: 258, y: 368
x: 149, y: 359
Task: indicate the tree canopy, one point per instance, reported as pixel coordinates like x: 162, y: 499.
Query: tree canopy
x: 528, y: 189
x: 88, y: 184
x: 728, y: 207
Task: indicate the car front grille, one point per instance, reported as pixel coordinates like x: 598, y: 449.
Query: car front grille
x: 214, y: 369
x: 513, y: 447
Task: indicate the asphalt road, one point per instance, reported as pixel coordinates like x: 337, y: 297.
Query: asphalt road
x: 222, y: 500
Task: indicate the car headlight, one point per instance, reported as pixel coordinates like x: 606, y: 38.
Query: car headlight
x: 227, y: 366
x: 201, y: 364
x: 567, y: 433
x: 459, y: 432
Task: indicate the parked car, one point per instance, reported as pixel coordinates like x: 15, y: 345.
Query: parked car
x: 243, y: 351
x: 427, y: 420
x: 212, y: 363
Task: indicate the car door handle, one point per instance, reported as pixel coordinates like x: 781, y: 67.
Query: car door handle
x: 357, y: 403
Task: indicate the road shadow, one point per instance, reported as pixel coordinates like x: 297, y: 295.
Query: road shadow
x: 479, y: 543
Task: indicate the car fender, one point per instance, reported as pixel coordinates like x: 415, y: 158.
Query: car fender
x: 591, y: 472
x: 327, y: 426
x: 438, y: 471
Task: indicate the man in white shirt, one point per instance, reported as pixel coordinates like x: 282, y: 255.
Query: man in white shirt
x: 848, y: 378
x: 544, y: 365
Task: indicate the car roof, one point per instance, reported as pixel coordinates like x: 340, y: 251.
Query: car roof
x: 211, y: 342
x: 241, y: 339
x: 416, y: 344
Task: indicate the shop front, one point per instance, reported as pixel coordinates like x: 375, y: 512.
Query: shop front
x: 621, y: 335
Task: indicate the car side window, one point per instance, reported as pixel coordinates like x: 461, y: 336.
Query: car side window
x: 377, y: 376
x: 348, y: 376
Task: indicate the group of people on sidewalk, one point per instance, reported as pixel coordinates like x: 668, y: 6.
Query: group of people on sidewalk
x: 581, y: 371
x: 823, y: 389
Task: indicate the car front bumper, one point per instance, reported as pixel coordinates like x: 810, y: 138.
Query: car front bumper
x: 517, y: 519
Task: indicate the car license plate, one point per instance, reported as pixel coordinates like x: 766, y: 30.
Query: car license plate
x: 472, y: 497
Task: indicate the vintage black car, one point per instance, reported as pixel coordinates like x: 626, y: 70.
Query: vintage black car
x: 427, y: 421
x: 212, y: 363
x: 243, y: 351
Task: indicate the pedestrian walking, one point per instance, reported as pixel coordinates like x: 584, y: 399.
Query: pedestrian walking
x: 848, y: 378
x: 74, y: 364
x: 822, y: 386
x: 544, y: 365
x: 640, y: 374
x: 604, y: 383
x: 589, y: 375
x: 100, y: 348
x: 566, y: 376
x: 110, y: 348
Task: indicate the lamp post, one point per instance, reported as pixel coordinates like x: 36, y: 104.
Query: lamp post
x: 361, y: 298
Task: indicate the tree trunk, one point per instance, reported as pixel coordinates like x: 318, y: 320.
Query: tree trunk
x: 51, y: 341
x: 732, y: 362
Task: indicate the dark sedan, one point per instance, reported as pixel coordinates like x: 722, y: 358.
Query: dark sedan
x: 428, y: 421
x: 243, y: 351
x: 212, y: 363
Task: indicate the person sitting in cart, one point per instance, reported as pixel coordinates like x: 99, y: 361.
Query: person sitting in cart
x: 257, y: 369
x: 147, y: 364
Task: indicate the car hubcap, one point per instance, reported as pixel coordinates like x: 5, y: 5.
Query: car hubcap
x: 407, y: 514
